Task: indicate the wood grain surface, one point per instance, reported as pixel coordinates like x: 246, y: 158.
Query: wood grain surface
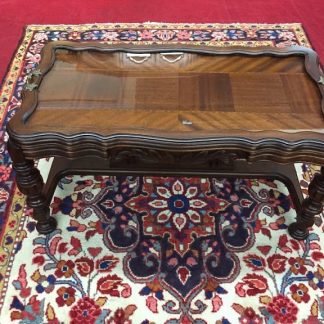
x: 268, y: 101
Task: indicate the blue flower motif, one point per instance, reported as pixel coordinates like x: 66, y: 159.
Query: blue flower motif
x: 45, y: 284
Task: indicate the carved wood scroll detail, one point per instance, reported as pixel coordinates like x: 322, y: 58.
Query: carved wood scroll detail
x: 139, y: 157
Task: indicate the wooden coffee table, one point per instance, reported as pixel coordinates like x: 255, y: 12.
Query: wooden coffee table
x: 170, y: 110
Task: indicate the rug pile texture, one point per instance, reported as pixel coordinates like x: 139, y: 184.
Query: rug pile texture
x: 151, y: 249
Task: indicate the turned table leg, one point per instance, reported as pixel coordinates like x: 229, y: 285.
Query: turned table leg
x: 30, y: 183
x: 311, y: 206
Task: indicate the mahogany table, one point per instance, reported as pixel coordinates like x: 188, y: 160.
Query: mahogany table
x: 170, y: 110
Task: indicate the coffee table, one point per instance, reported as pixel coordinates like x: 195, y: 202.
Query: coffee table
x: 170, y: 110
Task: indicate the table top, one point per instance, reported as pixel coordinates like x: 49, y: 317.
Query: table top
x: 176, y: 93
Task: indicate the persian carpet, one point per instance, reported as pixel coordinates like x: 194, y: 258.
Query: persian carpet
x: 152, y: 249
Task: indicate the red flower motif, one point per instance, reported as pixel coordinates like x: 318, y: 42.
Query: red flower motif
x: 257, y: 226
x: 283, y: 309
x: 35, y: 304
x: 109, y: 285
x: 250, y: 317
x: 85, y: 311
x: 62, y: 247
x: 4, y: 172
x: 119, y: 317
x: 3, y: 257
x: 39, y: 259
x: 74, y: 35
x: 183, y: 35
x: 297, y: 265
x: 277, y: 263
x: 64, y: 268
x: 299, y: 293
x: 256, y: 284
x: 12, y: 224
x: 84, y: 265
x: 107, y: 263
x: 66, y: 296
x: 146, y: 34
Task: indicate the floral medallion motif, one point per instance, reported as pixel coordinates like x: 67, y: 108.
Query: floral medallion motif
x: 156, y: 250
x: 181, y: 233
x: 177, y: 209
x: 114, y: 214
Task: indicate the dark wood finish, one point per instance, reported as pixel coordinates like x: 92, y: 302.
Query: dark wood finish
x: 287, y: 133
x: 311, y: 206
x: 30, y: 183
x: 286, y: 173
x: 161, y: 109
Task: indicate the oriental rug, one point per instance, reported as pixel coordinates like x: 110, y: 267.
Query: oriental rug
x: 150, y: 249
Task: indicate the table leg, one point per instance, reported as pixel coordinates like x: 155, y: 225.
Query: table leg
x: 311, y: 206
x: 30, y: 183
